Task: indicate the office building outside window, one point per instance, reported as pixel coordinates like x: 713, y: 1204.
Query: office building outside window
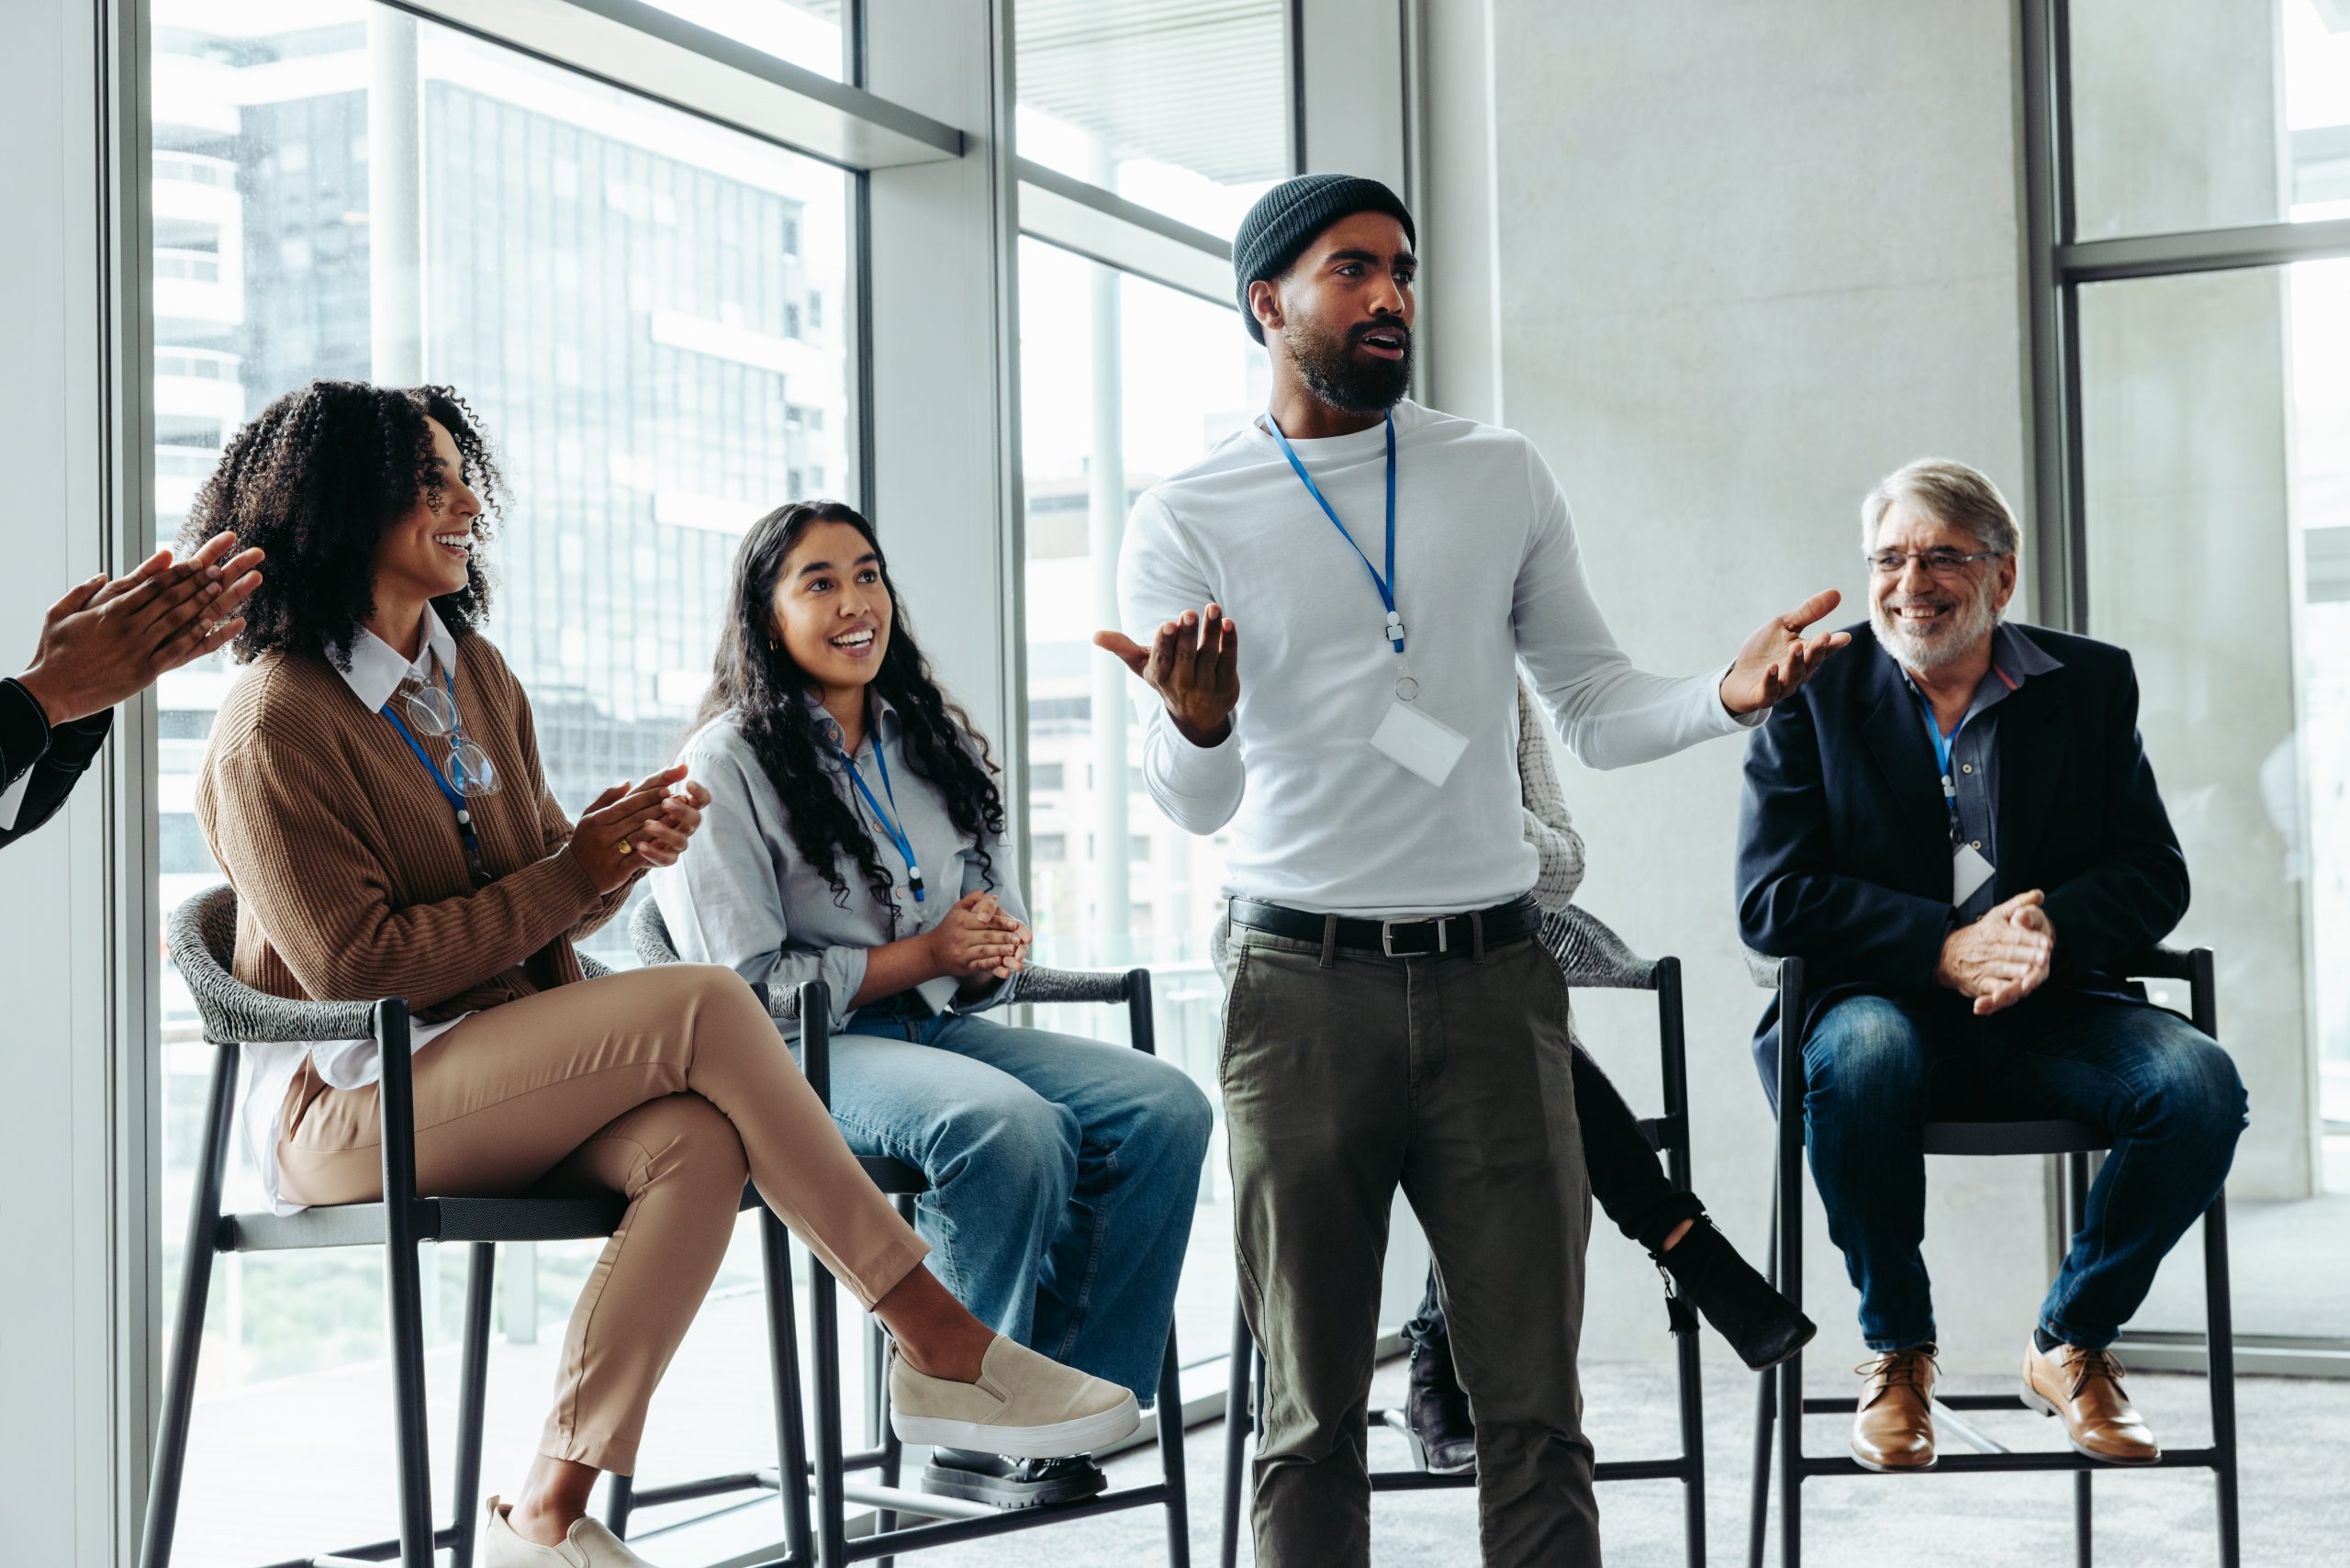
x: 648, y: 312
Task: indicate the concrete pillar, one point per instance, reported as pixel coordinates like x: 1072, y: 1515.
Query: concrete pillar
x: 1739, y: 270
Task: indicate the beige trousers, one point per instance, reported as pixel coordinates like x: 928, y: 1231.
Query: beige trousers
x: 665, y: 1085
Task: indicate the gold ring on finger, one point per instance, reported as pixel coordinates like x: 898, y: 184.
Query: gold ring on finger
x: 626, y: 847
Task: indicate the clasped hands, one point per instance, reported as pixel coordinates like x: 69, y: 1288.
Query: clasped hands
x: 978, y: 942
x: 2002, y: 958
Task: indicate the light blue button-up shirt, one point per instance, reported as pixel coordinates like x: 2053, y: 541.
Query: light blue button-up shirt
x: 743, y: 896
x: 1974, y: 751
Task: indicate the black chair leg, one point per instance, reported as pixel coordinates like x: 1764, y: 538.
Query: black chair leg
x: 414, y: 1475
x: 1787, y: 1209
x: 876, y: 1404
x: 2076, y: 1214
x: 891, y: 1470
x: 1766, y: 1411
x: 1171, y: 1458
x: 875, y: 1344
x: 2220, y: 1354
x: 1236, y: 1427
x: 1758, y: 1511
x: 1693, y: 1446
x: 831, y: 1474
x: 783, y: 1367
x: 187, y: 1328
x: 620, y: 1503
x: 472, y: 1399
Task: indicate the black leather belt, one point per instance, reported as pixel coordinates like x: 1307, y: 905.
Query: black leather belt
x: 1444, y: 936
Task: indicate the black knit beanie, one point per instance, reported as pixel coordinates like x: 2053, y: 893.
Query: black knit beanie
x: 1287, y: 217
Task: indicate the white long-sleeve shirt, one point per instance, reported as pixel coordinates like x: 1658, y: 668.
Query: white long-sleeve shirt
x: 1488, y: 574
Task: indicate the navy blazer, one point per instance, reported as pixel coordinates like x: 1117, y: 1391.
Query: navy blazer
x: 1843, y: 842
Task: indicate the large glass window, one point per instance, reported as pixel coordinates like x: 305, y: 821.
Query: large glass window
x: 1181, y: 105
x: 808, y: 33
x: 1125, y: 382
x: 2213, y: 541
x: 2216, y: 461
x: 650, y: 314
x: 2208, y: 114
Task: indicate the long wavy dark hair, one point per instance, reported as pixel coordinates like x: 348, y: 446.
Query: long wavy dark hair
x: 757, y: 679
x: 314, y: 479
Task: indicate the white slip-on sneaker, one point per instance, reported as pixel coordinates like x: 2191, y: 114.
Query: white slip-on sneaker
x: 1025, y: 1405
x: 588, y: 1545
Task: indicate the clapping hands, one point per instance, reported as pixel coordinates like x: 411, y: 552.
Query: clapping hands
x: 624, y: 829
x: 111, y: 638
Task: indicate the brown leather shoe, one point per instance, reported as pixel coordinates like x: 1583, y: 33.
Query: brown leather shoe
x: 1894, y: 1427
x: 2085, y: 1388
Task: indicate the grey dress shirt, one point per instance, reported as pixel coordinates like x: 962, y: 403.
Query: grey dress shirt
x: 1975, y: 750
x: 743, y: 896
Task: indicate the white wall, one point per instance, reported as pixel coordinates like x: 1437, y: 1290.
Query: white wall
x: 57, y: 1314
x: 1739, y: 268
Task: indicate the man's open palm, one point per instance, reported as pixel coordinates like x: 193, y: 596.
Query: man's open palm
x: 1778, y: 658
x: 1194, y: 666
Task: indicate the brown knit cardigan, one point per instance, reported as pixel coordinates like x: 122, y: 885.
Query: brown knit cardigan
x: 351, y: 880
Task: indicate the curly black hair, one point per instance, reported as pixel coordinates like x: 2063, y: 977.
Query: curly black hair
x: 314, y: 479
x: 759, y: 680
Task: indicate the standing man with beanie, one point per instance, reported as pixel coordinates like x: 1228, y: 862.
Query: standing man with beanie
x: 1390, y: 1019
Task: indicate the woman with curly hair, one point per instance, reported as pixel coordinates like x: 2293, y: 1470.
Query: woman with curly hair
x: 372, y: 789
x: 853, y: 832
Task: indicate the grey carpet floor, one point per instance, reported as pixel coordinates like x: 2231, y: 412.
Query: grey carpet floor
x: 2296, y: 1491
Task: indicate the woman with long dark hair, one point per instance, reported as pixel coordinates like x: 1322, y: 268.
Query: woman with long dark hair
x: 372, y: 791
x: 854, y: 831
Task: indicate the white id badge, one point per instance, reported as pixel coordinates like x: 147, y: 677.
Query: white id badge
x: 1968, y: 872
x: 1427, y: 746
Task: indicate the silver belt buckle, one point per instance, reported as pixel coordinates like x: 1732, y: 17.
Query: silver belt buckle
x: 1387, y: 939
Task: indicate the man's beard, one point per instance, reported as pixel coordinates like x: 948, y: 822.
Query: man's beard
x: 1327, y: 362
x: 1973, y: 614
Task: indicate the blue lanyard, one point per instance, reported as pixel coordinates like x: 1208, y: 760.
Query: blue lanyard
x: 889, y: 824
x: 449, y: 792
x: 1386, y: 585
x: 1943, y: 744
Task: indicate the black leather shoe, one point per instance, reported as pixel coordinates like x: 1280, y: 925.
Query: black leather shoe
x: 1011, y: 1482
x: 1760, y: 1325
x: 1437, y: 1411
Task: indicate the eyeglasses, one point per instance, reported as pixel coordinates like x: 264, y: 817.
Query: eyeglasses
x: 1944, y: 563
x: 433, y: 712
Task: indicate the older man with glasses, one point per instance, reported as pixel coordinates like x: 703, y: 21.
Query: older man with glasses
x: 1955, y: 827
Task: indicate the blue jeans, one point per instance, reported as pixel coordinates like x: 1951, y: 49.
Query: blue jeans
x: 1063, y: 1172
x: 1876, y: 1072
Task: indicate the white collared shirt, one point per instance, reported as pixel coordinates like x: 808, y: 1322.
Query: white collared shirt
x: 377, y: 672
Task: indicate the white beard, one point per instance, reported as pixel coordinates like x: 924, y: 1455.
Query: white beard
x: 1972, y: 619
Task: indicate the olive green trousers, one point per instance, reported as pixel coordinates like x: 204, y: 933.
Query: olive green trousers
x: 1346, y: 1075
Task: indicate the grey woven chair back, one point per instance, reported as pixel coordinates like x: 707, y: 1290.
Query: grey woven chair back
x: 649, y: 935
x: 203, y: 936
x: 1590, y: 956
